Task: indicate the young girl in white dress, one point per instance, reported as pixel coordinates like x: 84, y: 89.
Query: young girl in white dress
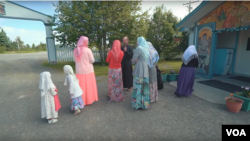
x: 50, y: 103
x: 74, y: 89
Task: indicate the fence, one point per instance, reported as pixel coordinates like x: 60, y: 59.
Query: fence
x: 66, y: 54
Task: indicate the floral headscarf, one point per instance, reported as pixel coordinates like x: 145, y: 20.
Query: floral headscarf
x: 153, y: 55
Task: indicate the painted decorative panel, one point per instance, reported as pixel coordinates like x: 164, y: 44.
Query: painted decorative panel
x: 205, y: 45
x: 2, y: 8
x: 230, y: 14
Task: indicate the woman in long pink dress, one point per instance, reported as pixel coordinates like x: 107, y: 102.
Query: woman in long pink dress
x: 84, y: 60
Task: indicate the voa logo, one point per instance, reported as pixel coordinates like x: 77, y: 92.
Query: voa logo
x: 236, y: 132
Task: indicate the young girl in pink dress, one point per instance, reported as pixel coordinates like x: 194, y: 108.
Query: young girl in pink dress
x: 50, y: 103
x: 74, y: 89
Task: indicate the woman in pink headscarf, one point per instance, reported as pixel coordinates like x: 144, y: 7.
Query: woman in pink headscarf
x: 85, y: 71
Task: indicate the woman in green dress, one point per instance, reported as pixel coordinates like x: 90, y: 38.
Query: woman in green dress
x: 140, y: 96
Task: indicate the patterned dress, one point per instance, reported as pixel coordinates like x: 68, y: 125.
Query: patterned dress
x: 115, y: 85
x: 141, y: 98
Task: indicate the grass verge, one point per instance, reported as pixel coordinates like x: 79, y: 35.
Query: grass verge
x: 102, y: 70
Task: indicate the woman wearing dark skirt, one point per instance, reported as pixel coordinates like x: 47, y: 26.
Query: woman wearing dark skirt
x: 186, y: 77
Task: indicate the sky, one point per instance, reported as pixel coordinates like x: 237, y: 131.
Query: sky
x: 34, y: 31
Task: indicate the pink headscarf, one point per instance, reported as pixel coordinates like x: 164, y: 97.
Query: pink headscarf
x: 82, y: 42
x: 116, y: 49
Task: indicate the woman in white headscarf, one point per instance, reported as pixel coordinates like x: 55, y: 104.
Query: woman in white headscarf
x: 49, y: 100
x: 74, y: 89
x: 186, y: 77
x: 152, y: 61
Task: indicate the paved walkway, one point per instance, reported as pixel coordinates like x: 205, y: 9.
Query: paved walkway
x: 171, y: 118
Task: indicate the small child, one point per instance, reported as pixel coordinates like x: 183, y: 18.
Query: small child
x: 159, y: 78
x: 74, y: 89
x: 50, y: 103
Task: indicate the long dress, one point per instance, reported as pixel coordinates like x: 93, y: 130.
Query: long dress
x: 159, y: 80
x: 127, y: 69
x: 186, y: 78
x: 115, y: 84
x: 75, y: 92
x: 86, y: 76
x: 48, y: 109
x: 140, y: 95
x: 153, y: 84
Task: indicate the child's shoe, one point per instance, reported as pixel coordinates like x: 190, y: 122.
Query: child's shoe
x: 52, y: 120
x: 77, y: 112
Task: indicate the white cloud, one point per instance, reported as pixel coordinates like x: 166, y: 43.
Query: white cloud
x: 27, y: 36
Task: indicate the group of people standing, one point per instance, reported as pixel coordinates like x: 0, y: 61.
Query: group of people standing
x: 142, y: 79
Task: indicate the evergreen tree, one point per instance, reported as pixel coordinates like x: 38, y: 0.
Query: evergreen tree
x: 3, y: 41
x: 33, y: 46
x: 162, y: 30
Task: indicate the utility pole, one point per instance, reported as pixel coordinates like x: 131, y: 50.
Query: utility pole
x: 189, y: 5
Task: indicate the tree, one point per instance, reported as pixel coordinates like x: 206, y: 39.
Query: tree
x: 3, y: 41
x: 184, y: 42
x: 20, y: 43
x: 162, y: 30
x: 101, y: 21
x: 33, y: 46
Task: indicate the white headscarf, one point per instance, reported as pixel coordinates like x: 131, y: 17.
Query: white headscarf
x: 45, y: 83
x: 189, y: 54
x: 69, y: 71
x: 153, y: 55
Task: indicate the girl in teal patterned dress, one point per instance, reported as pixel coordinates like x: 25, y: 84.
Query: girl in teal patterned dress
x: 140, y: 96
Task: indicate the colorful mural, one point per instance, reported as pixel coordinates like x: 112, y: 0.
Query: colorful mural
x: 229, y: 15
x: 204, y: 48
x: 2, y: 9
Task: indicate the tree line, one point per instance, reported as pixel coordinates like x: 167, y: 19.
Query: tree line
x: 18, y: 45
x: 104, y: 21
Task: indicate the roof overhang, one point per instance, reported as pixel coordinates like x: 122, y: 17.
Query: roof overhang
x: 198, y: 13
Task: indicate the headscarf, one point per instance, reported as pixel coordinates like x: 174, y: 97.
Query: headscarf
x: 82, y: 42
x: 153, y: 55
x: 45, y: 83
x: 69, y: 71
x: 116, y: 49
x: 189, y: 54
x: 143, y: 45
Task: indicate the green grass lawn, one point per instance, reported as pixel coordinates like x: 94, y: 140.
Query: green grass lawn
x: 15, y: 52
x: 102, y: 70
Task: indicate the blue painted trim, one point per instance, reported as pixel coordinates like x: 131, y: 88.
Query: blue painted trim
x: 54, y: 48
x: 48, y: 50
x: 194, y: 35
x: 182, y: 29
x: 235, y: 50
x: 27, y: 8
x: 213, y: 50
x: 192, y: 13
x: 213, y: 47
x: 21, y: 18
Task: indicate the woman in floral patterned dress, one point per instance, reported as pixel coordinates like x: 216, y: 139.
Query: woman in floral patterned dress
x: 140, y: 96
x: 152, y: 61
x: 115, y: 83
